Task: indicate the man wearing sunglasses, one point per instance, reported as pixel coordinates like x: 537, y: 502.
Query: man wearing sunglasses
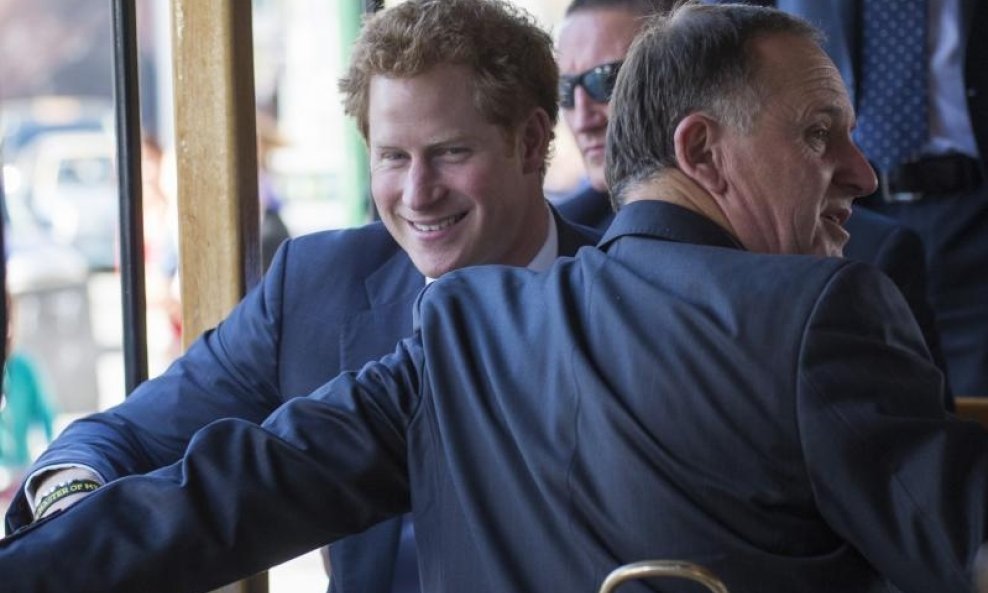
x: 593, y: 39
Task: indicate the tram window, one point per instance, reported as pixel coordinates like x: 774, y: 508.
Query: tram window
x: 66, y: 292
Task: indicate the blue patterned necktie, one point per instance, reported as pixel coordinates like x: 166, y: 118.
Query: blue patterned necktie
x: 892, y: 95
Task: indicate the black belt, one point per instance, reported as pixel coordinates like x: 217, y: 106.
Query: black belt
x: 930, y: 176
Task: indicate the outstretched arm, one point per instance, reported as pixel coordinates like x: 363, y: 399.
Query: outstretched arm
x: 244, y: 497
x: 230, y: 372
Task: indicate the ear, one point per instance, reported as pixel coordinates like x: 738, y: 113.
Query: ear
x: 534, y: 138
x: 696, y: 142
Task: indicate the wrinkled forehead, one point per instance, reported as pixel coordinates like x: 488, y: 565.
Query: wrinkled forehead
x: 788, y: 65
x: 592, y: 37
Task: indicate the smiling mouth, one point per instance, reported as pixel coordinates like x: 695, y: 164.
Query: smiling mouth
x: 439, y: 225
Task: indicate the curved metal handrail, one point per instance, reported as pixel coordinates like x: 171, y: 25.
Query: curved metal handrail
x: 662, y: 568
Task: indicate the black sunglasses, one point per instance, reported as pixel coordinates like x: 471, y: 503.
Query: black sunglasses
x: 597, y: 81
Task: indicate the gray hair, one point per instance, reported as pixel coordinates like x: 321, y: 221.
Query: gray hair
x: 696, y: 58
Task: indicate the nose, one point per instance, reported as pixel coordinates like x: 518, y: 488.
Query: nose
x: 855, y: 173
x: 421, y: 185
x: 587, y: 115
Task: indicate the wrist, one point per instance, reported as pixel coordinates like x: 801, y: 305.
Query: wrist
x: 42, y: 480
x: 63, y: 494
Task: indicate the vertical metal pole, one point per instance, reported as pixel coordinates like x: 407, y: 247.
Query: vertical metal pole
x: 127, y: 103
x: 3, y: 277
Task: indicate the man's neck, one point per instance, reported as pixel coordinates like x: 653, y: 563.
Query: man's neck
x: 676, y: 188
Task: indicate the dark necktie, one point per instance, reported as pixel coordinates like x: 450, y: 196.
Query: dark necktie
x: 892, y: 94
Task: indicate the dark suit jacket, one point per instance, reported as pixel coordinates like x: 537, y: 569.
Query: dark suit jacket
x: 898, y: 251
x: 331, y: 302
x: 588, y: 207
x: 875, y: 239
x: 667, y: 395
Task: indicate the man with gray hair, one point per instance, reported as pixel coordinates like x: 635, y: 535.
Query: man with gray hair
x: 700, y: 386
x: 592, y: 42
x: 456, y: 100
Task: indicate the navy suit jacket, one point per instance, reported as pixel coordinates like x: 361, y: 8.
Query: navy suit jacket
x: 875, y: 239
x: 666, y: 395
x: 588, y: 207
x: 330, y: 302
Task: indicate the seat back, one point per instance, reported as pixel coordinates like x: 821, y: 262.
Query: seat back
x: 972, y: 408
x: 662, y: 569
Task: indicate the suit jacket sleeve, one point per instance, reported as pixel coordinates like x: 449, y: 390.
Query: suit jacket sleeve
x: 229, y: 372
x: 894, y: 475
x: 243, y: 498
x: 901, y: 256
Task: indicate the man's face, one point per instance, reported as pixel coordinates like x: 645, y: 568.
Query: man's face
x: 587, y: 39
x: 790, y: 179
x: 452, y: 189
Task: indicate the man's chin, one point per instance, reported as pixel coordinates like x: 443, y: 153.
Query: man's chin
x: 434, y: 266
x: 833, y: 238
x: 833, y: 248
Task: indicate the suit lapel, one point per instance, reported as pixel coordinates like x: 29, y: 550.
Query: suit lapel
x: 571, y: 237
x: 390, y: 291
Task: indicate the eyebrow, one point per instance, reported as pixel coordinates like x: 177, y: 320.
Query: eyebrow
x: 458, y: 138
x: 836, y: 112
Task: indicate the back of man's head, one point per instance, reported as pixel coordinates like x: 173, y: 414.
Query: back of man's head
x: 510, y: 55
x: 694, y: 59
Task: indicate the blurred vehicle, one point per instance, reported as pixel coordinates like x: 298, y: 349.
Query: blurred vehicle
x: 48, y: 283
x: 23, y: 120
x: 68, y: 181
x: 60, y: 162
